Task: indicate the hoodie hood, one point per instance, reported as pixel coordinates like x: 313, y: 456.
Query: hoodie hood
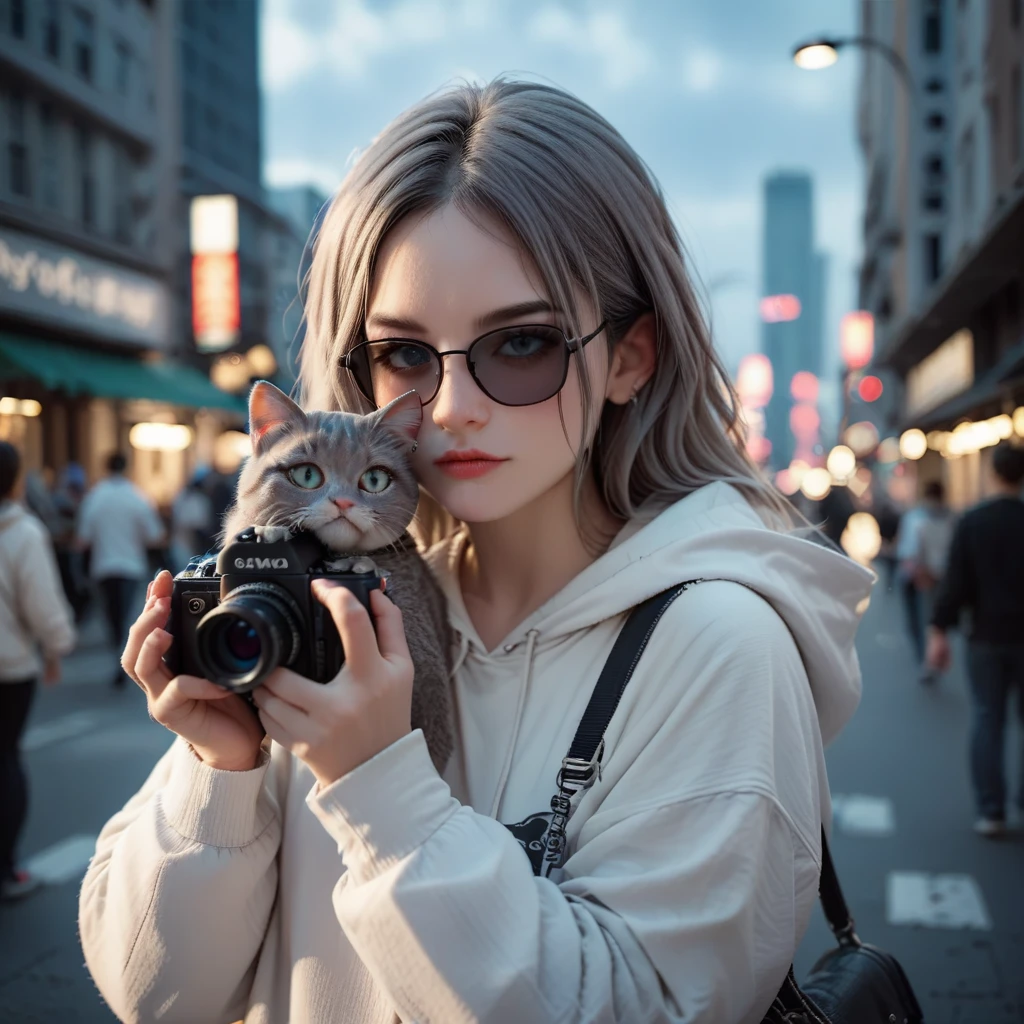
x: 712, y: 534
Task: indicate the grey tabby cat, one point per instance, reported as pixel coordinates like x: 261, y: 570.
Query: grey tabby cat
x: 346, y: 478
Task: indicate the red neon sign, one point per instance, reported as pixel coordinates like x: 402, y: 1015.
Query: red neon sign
x: 777, y: 309
x: 216, y: 309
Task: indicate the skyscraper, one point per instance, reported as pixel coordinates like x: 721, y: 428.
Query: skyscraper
x: 790, y: 267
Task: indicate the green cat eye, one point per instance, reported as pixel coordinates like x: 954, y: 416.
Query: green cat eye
x: 306, y: 475
x: 375, y: 480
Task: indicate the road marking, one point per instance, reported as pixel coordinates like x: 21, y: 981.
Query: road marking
x: 858, y: 815
x: 935, y: 901
x: 63, y: 861
x: 60, y: 729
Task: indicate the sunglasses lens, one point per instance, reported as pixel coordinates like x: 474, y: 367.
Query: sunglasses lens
x: 388, y: 369
x: 521, y: 365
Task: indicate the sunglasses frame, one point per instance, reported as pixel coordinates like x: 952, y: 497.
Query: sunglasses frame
x: 571, y: 345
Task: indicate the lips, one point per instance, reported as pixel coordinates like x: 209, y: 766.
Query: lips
x: 464, y: 465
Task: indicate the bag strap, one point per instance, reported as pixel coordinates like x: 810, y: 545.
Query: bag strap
x: 584, y: 759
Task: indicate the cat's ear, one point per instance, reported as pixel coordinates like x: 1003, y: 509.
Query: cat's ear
x: 269, y: 407
x: 403, y: 416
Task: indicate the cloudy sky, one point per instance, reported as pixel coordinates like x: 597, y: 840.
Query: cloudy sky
x: 703, y: 89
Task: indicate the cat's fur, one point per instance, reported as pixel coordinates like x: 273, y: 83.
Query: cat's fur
x: 343, y: 446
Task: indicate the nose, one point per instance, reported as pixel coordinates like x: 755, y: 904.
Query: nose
x: 343, y: 503
x: 459, y: 402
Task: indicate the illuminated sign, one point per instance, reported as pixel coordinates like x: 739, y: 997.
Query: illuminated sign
x: 216, y: 300
x: 777, y: 309
x: 804, y: 387
x: 857, y: 339
x: 53, y: 285
x: 754, y: 381
x: 944, y: 373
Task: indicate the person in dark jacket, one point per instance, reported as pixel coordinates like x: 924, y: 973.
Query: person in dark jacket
x: 985, y: 576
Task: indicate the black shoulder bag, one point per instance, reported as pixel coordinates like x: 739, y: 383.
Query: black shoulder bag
x: 853, y: 984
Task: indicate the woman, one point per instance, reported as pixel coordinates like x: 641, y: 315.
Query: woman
x: 563, y: 484
x: 34, y: 616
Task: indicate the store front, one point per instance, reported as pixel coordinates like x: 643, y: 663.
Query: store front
x: 962, y: 360
x: 84, y: 362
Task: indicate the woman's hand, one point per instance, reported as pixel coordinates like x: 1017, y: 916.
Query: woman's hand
x: 220, y: 726
x: 334, y: 727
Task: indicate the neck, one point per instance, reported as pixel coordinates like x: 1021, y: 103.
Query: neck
x: 1002, y: 489
x: 516, y: 564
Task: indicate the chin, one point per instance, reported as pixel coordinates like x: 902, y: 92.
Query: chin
x: 342, y: 536
x: 482, y: 504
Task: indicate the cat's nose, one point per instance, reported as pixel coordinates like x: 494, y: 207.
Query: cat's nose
x: 343, y: 503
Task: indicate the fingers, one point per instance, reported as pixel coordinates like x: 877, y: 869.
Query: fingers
x: 178, y: 699
x: 289, y: 686
x: 391, y: 640
x: 274, y: 710
x: 154, y: 616
x: 150, y: 670
x: 354, y: 626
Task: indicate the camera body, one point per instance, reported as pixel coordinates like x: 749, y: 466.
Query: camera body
x: 238, y: 615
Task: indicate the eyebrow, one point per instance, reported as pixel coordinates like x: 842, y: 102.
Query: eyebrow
x: 495, y: 318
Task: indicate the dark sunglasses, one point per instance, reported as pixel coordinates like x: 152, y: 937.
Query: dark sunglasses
x: 521, y: 365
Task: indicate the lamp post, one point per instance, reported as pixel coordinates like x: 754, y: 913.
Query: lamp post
x: 820, y: 53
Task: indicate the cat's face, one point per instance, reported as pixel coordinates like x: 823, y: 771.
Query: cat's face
x: 342, y: 476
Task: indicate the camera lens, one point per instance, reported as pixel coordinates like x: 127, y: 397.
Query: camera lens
x: 249, y: 634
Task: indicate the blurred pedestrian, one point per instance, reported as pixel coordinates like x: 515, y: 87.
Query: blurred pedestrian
x: 192, y: 522
x: 33, y: 614
x: 888, y: 516
x: 985, y: 576
x: 118, y: 526
x: 922, y: 547
x: 68, y: 495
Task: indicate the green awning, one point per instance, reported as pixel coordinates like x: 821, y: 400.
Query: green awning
x: 80, y: 371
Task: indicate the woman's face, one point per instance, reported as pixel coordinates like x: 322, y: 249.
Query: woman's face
x: 447, y: 281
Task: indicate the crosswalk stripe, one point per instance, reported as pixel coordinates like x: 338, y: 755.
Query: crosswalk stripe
x: 858, y: 815
x: 63, y: 861
x: 64, y: 728
x: 935, y: 901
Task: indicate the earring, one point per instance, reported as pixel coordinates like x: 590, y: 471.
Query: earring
x: 633, y: 397
x: 415, y: 444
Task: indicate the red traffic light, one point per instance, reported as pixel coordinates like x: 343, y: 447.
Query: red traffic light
x: 870, y: 389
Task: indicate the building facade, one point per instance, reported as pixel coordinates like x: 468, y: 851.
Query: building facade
x: 790, y: 267
x: 943, y: 268
x: 90, y: 335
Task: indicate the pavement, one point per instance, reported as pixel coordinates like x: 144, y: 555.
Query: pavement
x: 920, y: 884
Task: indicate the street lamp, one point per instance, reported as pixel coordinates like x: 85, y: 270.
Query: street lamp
x: 820, y: 53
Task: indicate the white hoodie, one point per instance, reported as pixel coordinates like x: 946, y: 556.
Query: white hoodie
x: 692, y: 863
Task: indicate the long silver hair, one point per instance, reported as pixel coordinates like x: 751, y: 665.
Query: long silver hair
x: 591, y: 218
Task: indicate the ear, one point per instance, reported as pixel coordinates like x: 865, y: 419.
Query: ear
x: 403, y: 416
x: 634, y: 360
x: 269, y: 407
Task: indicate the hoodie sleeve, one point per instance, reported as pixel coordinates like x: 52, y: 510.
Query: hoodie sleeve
x: 40, y: 593
x: 177, y: 898
x: 691, y: 880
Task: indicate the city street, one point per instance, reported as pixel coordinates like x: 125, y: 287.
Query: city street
x: 903, y: 840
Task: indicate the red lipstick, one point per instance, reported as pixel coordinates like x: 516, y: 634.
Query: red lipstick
x: 465, y: 465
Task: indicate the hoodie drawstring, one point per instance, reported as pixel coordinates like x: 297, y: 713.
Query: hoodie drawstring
x: 461, y: 656
x: 531, y: 643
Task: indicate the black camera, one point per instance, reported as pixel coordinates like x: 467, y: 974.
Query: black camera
x: 237, y: 616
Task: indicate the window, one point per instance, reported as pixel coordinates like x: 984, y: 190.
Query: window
x: 932, y: 258
x: 51, y: 29
x: 934, y: 166
x: 932, y: 202
x: 122, y: 195
x: 17, y: 150
x: 1015, y: 13
x: 967, y: 173
x: 935, y: 121
x: 86, y: 185
x: 16, y: 24
x: 84, y: 43
x: 934, y: 85
x: 122, y: 67
x: 1016, y: 116
x: 932, y: 31
x: 50, y: 164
